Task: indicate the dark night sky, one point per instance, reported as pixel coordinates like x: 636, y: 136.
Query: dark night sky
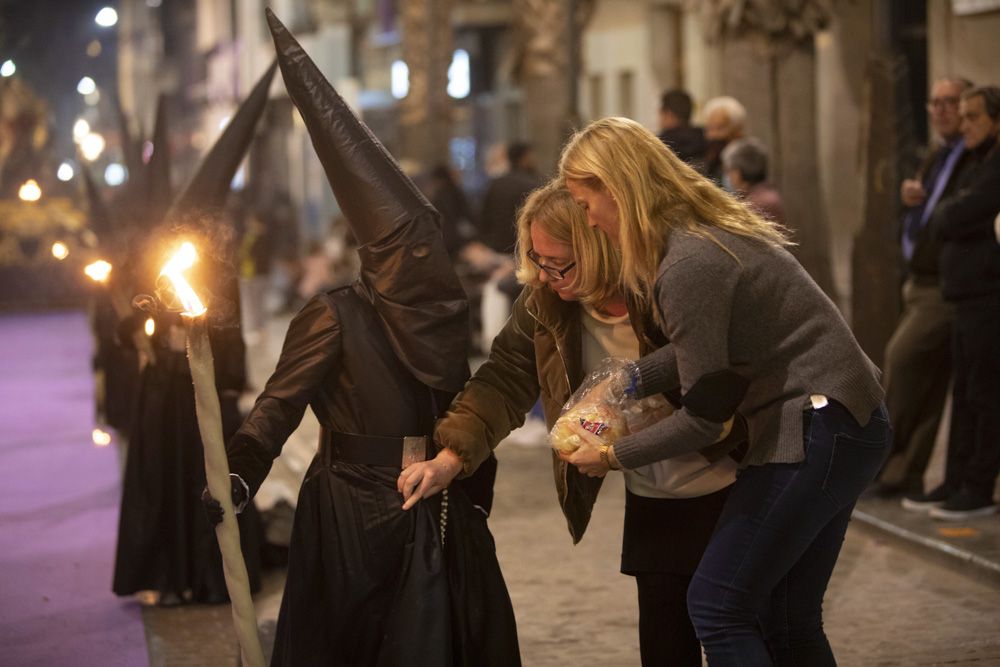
x: 47, y: 39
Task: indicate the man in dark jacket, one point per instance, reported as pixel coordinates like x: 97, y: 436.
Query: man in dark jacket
x: 676, y: 131
x: 377, y: 361
x: 970, y: 279
x: 918, y: 355
x: 504, y: 197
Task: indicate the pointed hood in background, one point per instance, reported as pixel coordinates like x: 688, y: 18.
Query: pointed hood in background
x: 159, y: 191
x: 131, y: 145
x: 208, y: 188
x: 99, y: 217
x: 404, y: 264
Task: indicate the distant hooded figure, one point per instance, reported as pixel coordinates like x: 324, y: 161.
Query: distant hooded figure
x: 378, y: 361
x: 165, y: 542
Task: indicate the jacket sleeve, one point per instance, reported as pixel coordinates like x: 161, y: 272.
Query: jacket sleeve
x: 969, y: 214
x: 311, y: 350
x: 496, y: 399
x: 698, y: 329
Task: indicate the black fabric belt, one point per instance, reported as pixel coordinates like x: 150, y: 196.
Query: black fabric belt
x: 374, y: 450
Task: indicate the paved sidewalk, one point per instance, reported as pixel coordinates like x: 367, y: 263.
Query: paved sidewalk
x: 970, y: 547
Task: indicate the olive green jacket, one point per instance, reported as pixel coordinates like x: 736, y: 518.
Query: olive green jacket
x: 538, y: 353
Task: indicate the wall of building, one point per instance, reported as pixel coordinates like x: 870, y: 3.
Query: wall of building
x: 842, y: 55
x: 962, y: 45
x: 617, y: 77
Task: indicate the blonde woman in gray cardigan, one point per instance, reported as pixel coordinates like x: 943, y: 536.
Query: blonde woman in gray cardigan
x: 749, y: 330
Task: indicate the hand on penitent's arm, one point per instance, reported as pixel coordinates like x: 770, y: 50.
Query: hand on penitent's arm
x: 424, y: 479
x: 213, y: 509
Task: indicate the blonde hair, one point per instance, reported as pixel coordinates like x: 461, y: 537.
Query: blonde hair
x: 656, y: 193
x: 552, y: 208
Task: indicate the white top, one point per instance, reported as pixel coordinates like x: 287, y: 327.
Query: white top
x: 684, y: 476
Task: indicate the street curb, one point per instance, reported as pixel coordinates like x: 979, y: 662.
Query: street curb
x: 966, y: 562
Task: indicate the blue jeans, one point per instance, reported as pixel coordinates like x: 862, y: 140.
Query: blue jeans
x: 756, y: 598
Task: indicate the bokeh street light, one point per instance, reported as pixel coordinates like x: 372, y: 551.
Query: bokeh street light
x: 60, y: 251
x: 106, y: 18
x: 115, y: 174
x: 8, y: 68
x: 86, y: 86
x: 81, y: 128
x: 65, y: 172
x: 30, y: 191
x: 91, y: 146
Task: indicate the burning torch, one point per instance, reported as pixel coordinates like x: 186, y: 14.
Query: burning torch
x: 177, y: 295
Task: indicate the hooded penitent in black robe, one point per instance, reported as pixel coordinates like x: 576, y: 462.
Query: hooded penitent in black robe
x: 377, y: 361
x: 165, y: 542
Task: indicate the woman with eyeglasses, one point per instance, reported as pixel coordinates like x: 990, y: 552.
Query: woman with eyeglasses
x: 569, y: 317
x: 749, y: 330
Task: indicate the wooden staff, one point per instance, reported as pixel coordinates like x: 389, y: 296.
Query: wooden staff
x: 209, y: 412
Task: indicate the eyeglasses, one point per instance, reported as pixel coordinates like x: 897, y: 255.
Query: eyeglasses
x: 551, y: 271
x: 942, y: 102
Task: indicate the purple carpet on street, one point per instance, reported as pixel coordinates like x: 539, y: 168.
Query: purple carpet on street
x: 59, y: 497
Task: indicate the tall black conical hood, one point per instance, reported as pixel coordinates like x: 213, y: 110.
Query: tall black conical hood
x: 99, y: 218
x: 131, y: 145
x: 404, y: 265
x: 209, y: 186
x: 159, y: 191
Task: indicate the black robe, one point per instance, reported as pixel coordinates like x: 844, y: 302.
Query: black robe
x: 165, y: 542
x: 119, y: 364
x: 368, y: 584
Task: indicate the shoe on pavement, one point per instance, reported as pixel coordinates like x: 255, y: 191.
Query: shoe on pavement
x: 962, y: 506
x: 925, y: 502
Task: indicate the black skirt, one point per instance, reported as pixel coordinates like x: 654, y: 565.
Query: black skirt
x: 668, y: 535
x: 165, y: 542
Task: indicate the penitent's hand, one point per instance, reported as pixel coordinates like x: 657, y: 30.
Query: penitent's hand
x: 424, y: 479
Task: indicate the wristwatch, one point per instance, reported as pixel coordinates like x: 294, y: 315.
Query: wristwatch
x: 604, y: 456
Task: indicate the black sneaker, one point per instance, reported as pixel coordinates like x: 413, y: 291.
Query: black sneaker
x: 925, y: 502
x: 962, y: 506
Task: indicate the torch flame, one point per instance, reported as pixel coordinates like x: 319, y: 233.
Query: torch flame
x: 150, y: 326
x: 98, y: 271
x: 174, y: 269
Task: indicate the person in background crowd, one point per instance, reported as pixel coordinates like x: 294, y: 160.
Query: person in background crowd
x: 970, y: 279
x: 447, y: 196
x: 676, y: 131
x: 918, y: 355
x: 725, y: 121
x: 255, y: 271
x: 744, y: 162
x: 504, y: 196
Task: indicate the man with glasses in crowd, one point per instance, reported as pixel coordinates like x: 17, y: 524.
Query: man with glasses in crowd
x: 918, y: 356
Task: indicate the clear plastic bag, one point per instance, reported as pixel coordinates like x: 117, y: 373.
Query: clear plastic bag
x: 601, y: 410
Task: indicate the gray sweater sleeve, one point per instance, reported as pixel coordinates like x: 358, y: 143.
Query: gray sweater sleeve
x: 695, y: 296
x: 658, y: 372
